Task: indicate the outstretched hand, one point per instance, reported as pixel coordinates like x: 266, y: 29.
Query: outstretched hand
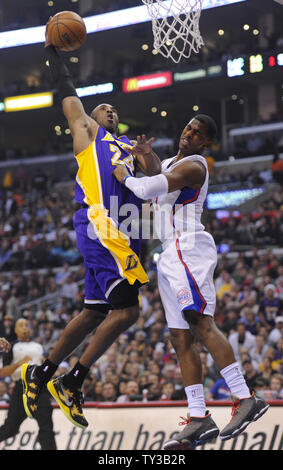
x: 47, y: 41
x: 142, y: 146
x: 120, y: 172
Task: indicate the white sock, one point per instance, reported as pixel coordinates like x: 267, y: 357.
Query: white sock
x: 235, y: 380
x: 196, y: 402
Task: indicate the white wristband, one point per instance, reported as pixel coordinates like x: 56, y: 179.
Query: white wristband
x: 147, y: 187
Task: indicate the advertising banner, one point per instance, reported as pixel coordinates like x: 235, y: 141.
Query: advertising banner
x: 143, y: 428
x: 147, y: 82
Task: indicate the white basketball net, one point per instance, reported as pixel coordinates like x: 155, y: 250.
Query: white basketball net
x: 175, y: 26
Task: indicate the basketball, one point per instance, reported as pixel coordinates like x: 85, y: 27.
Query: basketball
x: 66, y: 31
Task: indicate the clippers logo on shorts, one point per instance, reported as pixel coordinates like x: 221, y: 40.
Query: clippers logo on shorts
x: 184, y: 296
x: 131, y: 262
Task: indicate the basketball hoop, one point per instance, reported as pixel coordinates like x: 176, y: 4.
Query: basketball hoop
x: 175, y: 27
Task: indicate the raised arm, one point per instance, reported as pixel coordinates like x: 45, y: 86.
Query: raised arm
x: 81, y: 125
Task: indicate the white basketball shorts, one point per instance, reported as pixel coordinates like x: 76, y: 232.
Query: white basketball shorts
x: 185, y: 277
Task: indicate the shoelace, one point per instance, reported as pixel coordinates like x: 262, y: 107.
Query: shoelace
x: 185, y: 422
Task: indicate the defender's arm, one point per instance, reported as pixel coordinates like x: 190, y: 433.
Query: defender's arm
x: 188, y: 174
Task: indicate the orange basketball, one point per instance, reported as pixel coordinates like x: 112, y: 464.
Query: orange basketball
x: 66, y: 31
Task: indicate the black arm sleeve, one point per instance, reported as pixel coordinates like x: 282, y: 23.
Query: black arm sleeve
x: 60, y: 74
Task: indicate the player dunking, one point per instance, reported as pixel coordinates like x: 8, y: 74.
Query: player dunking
x: 113, y: 269
x: 185, y: 278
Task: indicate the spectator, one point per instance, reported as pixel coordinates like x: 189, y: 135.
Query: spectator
x: 270, y: 307
x: 266, y: 368
x: 242, y: 338
x: 167, y: 390
x: 229, y: 324
x: 250, y: 320
x: 97, y: 394
x: 223, y: 284
x: 276, y: 385
x: 87, y: 388
x: 258, y: 351
x: 219, y: 390
x: 132, y: 393
x: 277, y: 332
x: 7, y: 328
x: 109, y: 392
x: 44, y: 314
x: 251, y: 374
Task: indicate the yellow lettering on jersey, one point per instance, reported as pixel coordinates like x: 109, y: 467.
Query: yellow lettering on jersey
x: 108, y: 138
x: 115, y: 160
x: 123, y: 145
x: 117, y: 154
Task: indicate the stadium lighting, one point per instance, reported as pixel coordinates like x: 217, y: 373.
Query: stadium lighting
x: 26, y: 102
x: 95, y: 23
x: 95, y: 89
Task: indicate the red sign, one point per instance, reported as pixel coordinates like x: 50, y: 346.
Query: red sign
x: 147, y: 82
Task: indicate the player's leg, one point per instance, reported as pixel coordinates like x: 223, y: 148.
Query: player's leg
x: 199, y: 263
x: 95, y: 309
x: 76, y: 331
x: 66, y: 390
x: 205, y: 329
x: 35, y: 377
x: 247, y: 407
x: 176, y: 293
x: 199, y: 427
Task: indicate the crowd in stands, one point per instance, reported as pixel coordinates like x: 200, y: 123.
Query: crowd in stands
x: 42, y: 279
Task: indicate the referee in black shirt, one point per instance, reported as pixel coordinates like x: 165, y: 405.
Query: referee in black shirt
x: 25, y: 350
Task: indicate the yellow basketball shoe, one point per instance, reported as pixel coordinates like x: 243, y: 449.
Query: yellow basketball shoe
x: 70, y: 401
x: 31, y: 389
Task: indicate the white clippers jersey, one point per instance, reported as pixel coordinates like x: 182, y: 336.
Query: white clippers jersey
x: 179, y: 213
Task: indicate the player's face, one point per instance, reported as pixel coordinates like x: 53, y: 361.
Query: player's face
x: 194, y: 138
x: 107, y: 117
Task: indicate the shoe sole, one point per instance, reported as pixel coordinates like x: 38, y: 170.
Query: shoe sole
x: 25, y: 399
x: 190, y: 445
x: 245, y: 424
x: 52, y: 390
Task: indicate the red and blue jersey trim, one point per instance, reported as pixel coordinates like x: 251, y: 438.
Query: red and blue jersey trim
x: 186, y: 196
x: 199, y: 302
